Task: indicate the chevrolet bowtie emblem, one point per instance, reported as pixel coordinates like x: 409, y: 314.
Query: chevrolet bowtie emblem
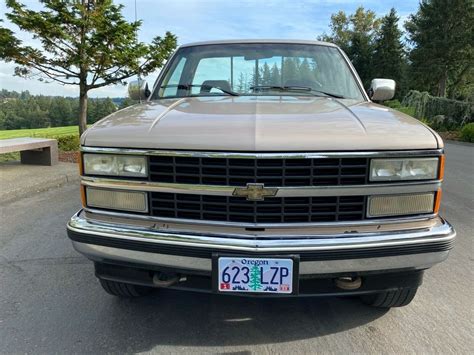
x: 255, y: 192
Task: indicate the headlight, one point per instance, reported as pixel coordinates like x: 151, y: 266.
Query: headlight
x: 115, y: 165
x: 404, y: 169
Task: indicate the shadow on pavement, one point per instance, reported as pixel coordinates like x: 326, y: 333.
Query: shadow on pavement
x: 193, y: 319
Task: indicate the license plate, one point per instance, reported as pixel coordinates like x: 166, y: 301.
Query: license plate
x: 262, y: 275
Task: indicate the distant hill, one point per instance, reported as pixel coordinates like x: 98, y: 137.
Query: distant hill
x: 22, y: 110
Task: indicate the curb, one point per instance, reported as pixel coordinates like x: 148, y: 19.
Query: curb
x: 39, y: 187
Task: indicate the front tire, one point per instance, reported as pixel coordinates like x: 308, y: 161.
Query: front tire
x: 121, y: 289
x: 389, y: 299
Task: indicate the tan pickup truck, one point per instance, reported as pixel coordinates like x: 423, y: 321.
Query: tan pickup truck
x: 262, y: 168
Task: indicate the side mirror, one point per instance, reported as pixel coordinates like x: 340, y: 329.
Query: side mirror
x: 382, y: 89
x: 138, y: 90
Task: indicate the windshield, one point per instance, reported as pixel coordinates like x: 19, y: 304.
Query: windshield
x: 258, y: 69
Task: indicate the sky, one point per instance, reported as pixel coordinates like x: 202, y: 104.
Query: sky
x: 201, y: 20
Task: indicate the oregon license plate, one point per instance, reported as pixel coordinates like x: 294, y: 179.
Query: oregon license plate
x: 262, y: 275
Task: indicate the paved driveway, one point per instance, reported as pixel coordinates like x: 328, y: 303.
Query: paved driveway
x: 50, y: 301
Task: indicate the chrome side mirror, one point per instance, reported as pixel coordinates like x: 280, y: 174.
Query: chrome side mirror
x: 382, y: 89
x: 138, y: 90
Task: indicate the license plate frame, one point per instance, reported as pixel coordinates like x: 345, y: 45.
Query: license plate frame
x: 215, y: 274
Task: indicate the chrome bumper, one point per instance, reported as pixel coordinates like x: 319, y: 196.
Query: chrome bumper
x: 350, y: 252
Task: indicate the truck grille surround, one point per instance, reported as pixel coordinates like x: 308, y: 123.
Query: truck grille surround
x: 281, y: 172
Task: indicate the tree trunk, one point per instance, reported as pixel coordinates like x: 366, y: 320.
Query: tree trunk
x: 442, y: 84
x: 82, y: 109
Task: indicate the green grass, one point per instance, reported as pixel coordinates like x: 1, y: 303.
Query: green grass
x: 40, y: 132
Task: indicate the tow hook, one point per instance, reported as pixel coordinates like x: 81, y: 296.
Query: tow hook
x: 348, y: 282
x: 162, y: 279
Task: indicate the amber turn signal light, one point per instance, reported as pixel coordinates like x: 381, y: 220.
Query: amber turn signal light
x: 441, y: 167
x: 437, y: 201
x: 83, y: 195
x: 79, y: 163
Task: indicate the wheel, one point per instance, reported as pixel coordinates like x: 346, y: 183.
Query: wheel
x: 397, y: 298
x: 121, y: 289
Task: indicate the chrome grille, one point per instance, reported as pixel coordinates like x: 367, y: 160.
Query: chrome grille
x: 286, y: 172
x: 271, y: 210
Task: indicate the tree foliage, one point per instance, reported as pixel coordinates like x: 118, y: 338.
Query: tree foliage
x: 442, y: 35
x: 23, y: 110
x: 356, y: 34
x: 447, y: 113
x: 87, y: 43
x: 436, y: 55
x: 389, y: 59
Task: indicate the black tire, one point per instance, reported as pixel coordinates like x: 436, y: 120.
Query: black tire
x: 121, y: 289
x: 389, y: 299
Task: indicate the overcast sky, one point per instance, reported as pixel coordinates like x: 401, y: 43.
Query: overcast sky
x: 200, y: 20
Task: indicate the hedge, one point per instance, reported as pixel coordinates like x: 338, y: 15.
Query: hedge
x: 440, y: 112
x: 68, y: 143
x: 467, y: 133
x: 395, y: 104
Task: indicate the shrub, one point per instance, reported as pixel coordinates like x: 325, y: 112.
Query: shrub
x: 456, y: 113
x: 467, y: 133
x: 396, y: 105
x: 393, y: 104
x: 408, y: 111
x: 68, y: 143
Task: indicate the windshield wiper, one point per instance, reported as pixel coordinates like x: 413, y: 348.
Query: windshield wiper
x: 295, y: 88
x: 189, y: 86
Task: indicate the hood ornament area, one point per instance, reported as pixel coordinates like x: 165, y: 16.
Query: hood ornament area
x: 255, y: 192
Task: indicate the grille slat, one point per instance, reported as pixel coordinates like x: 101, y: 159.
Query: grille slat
x: 272, y: 172
x: 271, y: 210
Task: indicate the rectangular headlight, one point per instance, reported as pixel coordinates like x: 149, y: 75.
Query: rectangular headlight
x: 404, y: 169
x: 134, y: 201
x: 115, y: 165
x: 397, y: 205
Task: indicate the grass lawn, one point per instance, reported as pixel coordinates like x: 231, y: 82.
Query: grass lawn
x: 40, y: 132
x: 53, y: 132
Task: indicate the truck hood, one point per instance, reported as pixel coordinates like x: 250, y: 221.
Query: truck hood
x: 257, y: 123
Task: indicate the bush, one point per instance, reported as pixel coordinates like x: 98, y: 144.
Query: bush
x: 467, y: 133
x: 456, y: 113
x: 393, y: 104
x: 396, y: 105
x: 68, y: 143
x: 410, y: 111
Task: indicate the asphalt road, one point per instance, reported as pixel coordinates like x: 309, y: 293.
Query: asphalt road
x: 50, y: 301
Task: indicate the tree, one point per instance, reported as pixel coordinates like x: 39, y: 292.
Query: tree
x: 364, y: 29
x: 60, y: 112
x: 86, y: 43
x: 442, y: 35
x: 266, y: 75
x: 242, y: 83
x: 275, y: 77
x: 102, y: 108
x: 340, y: 31
x: 304, y: 71
x: 7, y: 42
x: 389, y: 57
x: 289, y: 72
x: 355, y: 34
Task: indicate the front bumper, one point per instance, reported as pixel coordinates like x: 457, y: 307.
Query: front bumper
x: 319, y: 255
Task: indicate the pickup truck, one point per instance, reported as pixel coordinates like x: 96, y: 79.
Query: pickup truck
x: 262, y: 168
